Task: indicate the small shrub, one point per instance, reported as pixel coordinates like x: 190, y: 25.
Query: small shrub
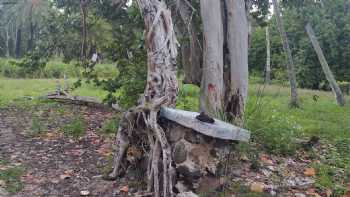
x: 110, y: 126
x: 272, y: 129
x: 76, y: 128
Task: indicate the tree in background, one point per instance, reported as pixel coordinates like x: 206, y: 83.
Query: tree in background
x: 329, y: 75
x: 290, y: 62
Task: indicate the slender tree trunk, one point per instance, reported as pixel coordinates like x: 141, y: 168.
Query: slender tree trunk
x: 191, y: 53
x: 83, y: 10
x: 327, y: 71
x: 212, y: 86
x: 290, y: 63
x: 7, y: 45
x: 18, y: 42
x: 31, y: 28
x: 268, y: 58
x: 140, y: 124
x: 237, y: 38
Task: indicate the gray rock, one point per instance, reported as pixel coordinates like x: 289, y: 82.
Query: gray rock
x: 3, y: 192
x: 180, y: 153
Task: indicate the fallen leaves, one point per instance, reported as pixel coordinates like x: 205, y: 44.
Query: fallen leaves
x: 312, y: 192
x: 257, y: 187
x: 347, y: 194
x: 266, y: 159
x: 310, y: 172
x: 124, y: 189
x: 67, y: 174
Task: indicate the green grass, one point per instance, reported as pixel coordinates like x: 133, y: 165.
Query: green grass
x: 14, y: 89
x: 110, y: 127
x: 12, y: 177
x: 76, y: 128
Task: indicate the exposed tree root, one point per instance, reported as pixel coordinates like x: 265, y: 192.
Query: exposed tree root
x: 159, y: 152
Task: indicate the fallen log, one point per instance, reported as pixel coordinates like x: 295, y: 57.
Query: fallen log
x: 79, y: 100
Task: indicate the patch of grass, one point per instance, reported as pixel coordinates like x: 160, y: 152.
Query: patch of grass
x: 110, y: 127
x: 37, y: 127
x: 76, y: 128
x: 11, y: 176
x: 242, y: 190
x: 14, y: 90
x: 188, y: 98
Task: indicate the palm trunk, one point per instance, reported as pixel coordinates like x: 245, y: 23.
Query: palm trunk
x: 237, y: 38
x: 268, y: 58
x: 212, y: 86
x: 327, y: 71
x: 286, y: 48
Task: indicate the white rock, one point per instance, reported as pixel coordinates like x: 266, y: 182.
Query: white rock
x: 186, y: 194
x: 84, y: 193
x: 299, y: 195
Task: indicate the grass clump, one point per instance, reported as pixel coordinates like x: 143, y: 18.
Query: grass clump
x: 37, y: 127
x: 76, y: 128
x: 110, y: 127
x: 11, y: 176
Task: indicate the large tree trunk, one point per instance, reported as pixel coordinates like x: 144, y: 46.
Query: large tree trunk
x: 268, y: 58
x: 191, y: 52
x: 237, y: 38
x: 290, y: 63
x: 139, y: 125
x: 327, y: 71
x: 212, y: 86
x: 83, y: 10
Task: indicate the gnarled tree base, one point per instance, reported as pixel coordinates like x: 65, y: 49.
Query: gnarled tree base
x: 177, y: 159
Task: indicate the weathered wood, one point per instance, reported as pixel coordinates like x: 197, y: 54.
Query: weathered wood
x: 286, y: 48
x: 79, y: 100
x: 218, y: 129
x: 327, y: 71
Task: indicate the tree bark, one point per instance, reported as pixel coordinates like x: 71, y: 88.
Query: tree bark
x: 237, y: 38
x: 327, y: 71
x: 140, y: 124
x: 286, y: 48
x: 191, y: 53
x: 212, y: 86
x: 268, y: 58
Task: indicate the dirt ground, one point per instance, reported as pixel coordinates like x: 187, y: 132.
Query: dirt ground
x: 58, y: 165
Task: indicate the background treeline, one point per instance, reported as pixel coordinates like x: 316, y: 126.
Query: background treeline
x: 331, y: 24
x: 35, y: 31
